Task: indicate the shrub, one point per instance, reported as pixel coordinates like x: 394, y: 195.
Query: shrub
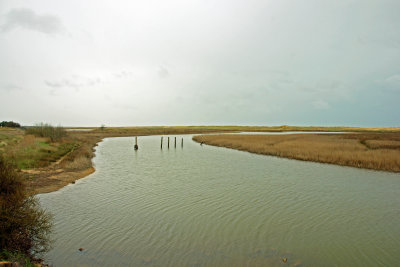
x: 24, y: 226
x: 22, y: 259
x: 47, y: 130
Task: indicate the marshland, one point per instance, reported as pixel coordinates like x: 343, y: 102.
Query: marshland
x: 213, y: 206
x: 199, y: 133
x: 53, y: 160
x: 378, y: 151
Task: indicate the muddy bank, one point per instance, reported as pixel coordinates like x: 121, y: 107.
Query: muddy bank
x: 49, y: 181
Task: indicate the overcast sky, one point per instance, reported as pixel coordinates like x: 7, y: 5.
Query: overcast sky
x: 200, y: 62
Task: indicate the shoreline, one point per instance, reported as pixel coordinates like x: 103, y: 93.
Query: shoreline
x: 78, y: 164
x: 62, y: 179
x: 60, y: 173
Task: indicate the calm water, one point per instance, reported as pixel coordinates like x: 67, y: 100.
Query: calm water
x: 209, y: 206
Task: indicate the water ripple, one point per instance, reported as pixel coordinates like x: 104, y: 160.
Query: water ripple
x: 207, y: 206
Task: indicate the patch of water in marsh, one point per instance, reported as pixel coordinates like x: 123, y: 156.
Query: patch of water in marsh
x: 209, y: 206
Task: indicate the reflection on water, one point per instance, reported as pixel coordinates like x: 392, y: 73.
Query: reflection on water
x: 208, y: 206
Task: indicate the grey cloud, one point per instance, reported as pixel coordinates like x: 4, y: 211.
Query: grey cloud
x: 122, y: 74
x: 27, y: 19
x: 54, y: 84
x: 323, y: 86
x: 390, y: 84
x: 394, y: 79
x: 163, y: 72
x: 76, y: 82
x: 385, y: 40
x: 320, y: 104
x: 123, y: 106
x: 11, y: 87
x: 53, y: 92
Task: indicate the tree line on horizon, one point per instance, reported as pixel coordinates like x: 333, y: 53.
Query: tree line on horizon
x: 10, y: 124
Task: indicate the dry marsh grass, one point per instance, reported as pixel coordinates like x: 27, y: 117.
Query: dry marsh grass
x: 378, y: 151
x: 81, y: 158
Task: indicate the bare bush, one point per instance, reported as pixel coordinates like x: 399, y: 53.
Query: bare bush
x: 47, y: 130
x: 24, y: 226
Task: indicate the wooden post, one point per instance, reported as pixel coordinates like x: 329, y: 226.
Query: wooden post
x: 175, y: 142
x: 136, y: 145
x: 182, y: 142
x: 168, y: 142
x: 161, y: 141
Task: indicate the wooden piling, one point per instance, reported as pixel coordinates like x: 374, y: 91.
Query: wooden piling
x: 175, y: 143
x: 161, y: 141
x: 136, y: 145
x: 182, y: 143
x: 168, y: 142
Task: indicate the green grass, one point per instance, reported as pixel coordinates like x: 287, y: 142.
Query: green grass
x: 41, y: 154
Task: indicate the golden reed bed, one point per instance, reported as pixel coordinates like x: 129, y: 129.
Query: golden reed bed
x: 378, y: 151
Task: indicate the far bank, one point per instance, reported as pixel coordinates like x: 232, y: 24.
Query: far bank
x: 369, y: 150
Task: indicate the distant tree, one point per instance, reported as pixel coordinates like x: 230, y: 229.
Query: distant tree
x: 10, y: 124
x: 24, y: 226
x: 102, y: 127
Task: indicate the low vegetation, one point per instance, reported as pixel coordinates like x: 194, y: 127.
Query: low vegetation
x: 47, y: 131
x: 34, y: 152
x: 16, y: 257
x: 378, y: 151
x: 9, y: 137
x: 24, y: 226
x: 35, y: 147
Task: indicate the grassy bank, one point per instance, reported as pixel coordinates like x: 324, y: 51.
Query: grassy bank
x: 378, y: 151
x: 47, y: 161
x: 48, y: 165
x: 29, y: 151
